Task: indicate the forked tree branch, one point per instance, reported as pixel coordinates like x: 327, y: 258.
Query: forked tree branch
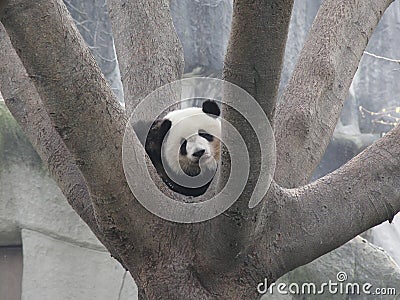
x: 302, y: 224
x: 317, y: 218
x: 311, y: 103
x: 149, y: 52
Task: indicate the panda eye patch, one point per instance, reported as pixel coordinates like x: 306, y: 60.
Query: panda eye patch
x: 183, y: 150
x: 206, y: 135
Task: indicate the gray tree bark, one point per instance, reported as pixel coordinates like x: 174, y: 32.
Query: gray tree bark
x: 72, y: 118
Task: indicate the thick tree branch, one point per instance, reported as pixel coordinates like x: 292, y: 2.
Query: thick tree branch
x: 253, y: 62
x: 309, y: 109
x: 72, y: 88
x: 256, y: 48
x: 149, y: 52
x: 24, y: 103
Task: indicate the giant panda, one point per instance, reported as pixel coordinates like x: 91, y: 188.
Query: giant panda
x: 191, y: 146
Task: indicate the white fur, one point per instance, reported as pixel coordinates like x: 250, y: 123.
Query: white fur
x: 186, y: 124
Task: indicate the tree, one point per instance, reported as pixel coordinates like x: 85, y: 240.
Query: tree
x: 56, y: 92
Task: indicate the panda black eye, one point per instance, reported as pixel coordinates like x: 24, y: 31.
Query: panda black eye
x: 182, y: 150
x: 206, y: 135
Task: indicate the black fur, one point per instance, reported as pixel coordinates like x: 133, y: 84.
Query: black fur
x: 211, y: 107
x: 155, y: 137
x: 183, y: 148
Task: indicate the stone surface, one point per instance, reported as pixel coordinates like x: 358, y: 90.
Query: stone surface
x: 29, y: 197
x: 341, y: 149
x: 361, y: 262
x: 387, y: 236
x: 55, y: 269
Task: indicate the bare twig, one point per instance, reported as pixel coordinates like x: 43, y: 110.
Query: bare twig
x: 382, y: 57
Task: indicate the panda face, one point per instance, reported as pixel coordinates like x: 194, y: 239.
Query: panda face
x: 198, y: 150
x: 192, y: 142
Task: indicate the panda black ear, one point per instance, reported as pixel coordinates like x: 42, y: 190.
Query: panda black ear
x: 164, y: 127
x: 211, y: 107
x: 154, y: 138
x: 159, y: 129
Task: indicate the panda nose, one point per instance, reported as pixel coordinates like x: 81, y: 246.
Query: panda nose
x: 199, y: 153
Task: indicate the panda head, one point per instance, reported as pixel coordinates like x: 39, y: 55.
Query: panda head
x: 191, y: 139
